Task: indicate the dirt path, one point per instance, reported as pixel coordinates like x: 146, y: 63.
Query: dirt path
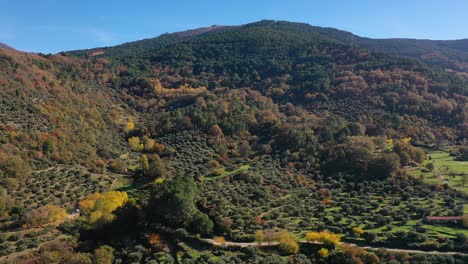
x: 254, y: 244
x: 414, y: 251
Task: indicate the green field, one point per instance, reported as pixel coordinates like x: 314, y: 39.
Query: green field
x: 446, y: 170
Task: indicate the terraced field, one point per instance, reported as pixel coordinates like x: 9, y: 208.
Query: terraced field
x: 62, y: 186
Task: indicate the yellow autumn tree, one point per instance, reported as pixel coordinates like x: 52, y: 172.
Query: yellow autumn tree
x: 406, y: 140
x: 357, y: 231
x: 88, y: 203
x: 287, y: 242
x: 144, y: 164
x: 100, y: 207
x: 259, y: 237
x: 323, y: 252
x: 129, y: 126
x: 134, y: 143
x: 325, y: 237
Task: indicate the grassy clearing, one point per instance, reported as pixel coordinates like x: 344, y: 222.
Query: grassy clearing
x: 227, y: 172
x: 431, y: 230
x: 446, y: 170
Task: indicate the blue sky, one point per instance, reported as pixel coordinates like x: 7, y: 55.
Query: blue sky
x: 58, y: 25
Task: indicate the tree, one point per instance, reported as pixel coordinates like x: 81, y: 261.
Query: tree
x: 259, y: 237
x: 44, y: 215
x: 269, y: 235
x: 134, y: 143
x: 48, y: 146
x: 103, y: 255
x: 202, y: 224
x: 15, y: 167
x: 287, y: 242
x: 155, y: 240
x: 465, y: 220
x: 216, y: 132
x: 80, y: 258
x: 325, y: 237
x: 118, y: 166
x: 244, y: 148
x: 144, y: 164
x: 99, y: 208
x: 357, y: 231
x: 323, y: 252
x: 384, y: 165
x: 156, y: 167
x: 174, y: 201
x: 129, y: 127
x: 149, y: 145
x: 430, y: 166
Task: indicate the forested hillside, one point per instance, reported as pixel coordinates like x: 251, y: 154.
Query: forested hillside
x: 271, y: 142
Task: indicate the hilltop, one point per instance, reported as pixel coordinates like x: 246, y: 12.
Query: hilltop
x: 451, y: 54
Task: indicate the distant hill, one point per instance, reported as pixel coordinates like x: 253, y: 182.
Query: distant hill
x: 448, y: 53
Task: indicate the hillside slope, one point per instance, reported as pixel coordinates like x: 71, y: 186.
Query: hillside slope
x: 5, y: 46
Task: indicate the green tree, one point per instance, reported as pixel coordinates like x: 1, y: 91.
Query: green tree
x: 201, y: 224
x: 430, y: 166
x: 48, y: 146
x: 144, y: 164
x: 156, y: 167
x: 174, y: 200
x: 384, y: 165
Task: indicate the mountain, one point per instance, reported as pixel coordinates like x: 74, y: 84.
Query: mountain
x: 5, y: 46
x: 445, y: 53
x: 281, y: 138
x: 291, y: 62
x: 451, y: 54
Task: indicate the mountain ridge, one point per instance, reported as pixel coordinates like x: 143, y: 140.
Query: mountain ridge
x: 451, y: 54
x: 5, y: 46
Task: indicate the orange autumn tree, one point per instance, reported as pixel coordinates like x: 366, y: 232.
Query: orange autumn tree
x: 155, y: 240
